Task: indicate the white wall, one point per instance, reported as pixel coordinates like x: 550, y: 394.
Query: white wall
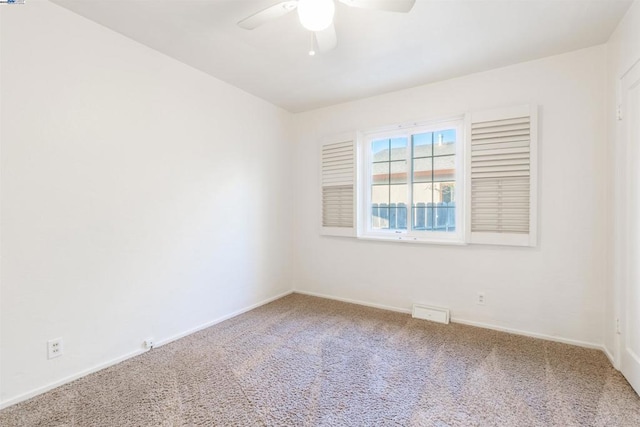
x: 623, y: 51
x: 556, y: 289
x: 140, y: 197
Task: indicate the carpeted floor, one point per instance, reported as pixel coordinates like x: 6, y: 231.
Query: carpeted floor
x: 304, y: 361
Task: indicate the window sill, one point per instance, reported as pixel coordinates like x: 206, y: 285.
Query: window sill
x: 413, y: 239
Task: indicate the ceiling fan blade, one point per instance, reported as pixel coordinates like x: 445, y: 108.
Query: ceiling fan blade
x: 326, y: 38
x: 388, y: 5
x: 265, y: 15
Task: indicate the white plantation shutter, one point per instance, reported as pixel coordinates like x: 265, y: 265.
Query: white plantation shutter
x: 502, y: 149
x: 339, y: 186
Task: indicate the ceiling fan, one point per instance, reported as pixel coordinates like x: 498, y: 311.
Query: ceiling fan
x: 317, y: 16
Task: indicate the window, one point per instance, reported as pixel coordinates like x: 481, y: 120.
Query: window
x: 468, y: 180
x: 411, y: 184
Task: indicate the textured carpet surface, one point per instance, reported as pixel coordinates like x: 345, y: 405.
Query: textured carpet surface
x: 304, y: 361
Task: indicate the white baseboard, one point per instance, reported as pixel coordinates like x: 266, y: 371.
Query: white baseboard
x: 66, y: 380
x: 546, y: 337
x: 354, y: 301
x: 467, y: 322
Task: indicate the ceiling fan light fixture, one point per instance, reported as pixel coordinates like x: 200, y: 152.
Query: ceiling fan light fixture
x: 316, y: 15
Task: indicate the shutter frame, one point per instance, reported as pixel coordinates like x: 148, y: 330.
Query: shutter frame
x: 338, y: 191
x: 502, y: 176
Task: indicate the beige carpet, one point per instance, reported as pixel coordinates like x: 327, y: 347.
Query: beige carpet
x: 304, y: 361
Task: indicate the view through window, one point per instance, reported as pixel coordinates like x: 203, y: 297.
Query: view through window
x: 413, y: 181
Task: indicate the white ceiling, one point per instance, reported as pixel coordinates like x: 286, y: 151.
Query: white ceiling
x: 377, y: 51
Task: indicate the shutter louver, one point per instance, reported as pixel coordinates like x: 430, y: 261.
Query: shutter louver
x: 338, y: 187
x: 502, y: 175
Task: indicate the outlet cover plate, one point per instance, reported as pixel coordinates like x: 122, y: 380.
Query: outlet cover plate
x: 54, y: 348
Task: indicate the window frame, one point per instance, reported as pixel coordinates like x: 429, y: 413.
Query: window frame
x: 365, y: 229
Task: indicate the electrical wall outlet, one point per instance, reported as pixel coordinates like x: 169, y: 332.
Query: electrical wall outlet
x: 480, y: 298
x: 54, y: 348
x: 148, y: 343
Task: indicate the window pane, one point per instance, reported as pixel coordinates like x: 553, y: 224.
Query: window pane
x: 380, y: 150
x: 422, y: 193
x: 423, y: 216
x: 444, y: 142
x: 397, y: 216
x: 380, y: 173
x: 398, y: 207
x: 398, y: 193
x: 380, y: 194
x: 444, y: 168
x: 398, y: 148
x: 422, y: 170
x: 422, y: 144
x: 401, y: 216
x: 444, y: 192
x: 379, y: 217
x: 445, y: 207
x: 398, y: 172
x: 444, y: 217
x: 422, y: 206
